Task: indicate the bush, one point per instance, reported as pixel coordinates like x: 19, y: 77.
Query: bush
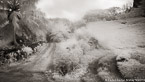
x: 65, y: 64
x: 13, y: 55
x: 84, y: 46
x: 82, y: 34
x: 99, y: 15
x: 71, y: 53
x: 60, y: 29
x: 131, y: 65
x: 104, y: 66
x: 77, y: 25
x: 66, y: 58
x: 93, y: 43
x: 30, y: 22
x: 135, y: 12
x: 71, y: 57
x: 27, y: 50
x: 77, y: 74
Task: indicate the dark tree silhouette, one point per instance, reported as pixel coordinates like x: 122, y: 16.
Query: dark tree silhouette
x: 143, y: 6
x: 137, y: 3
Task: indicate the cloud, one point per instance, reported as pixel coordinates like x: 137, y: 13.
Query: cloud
x: 74, y: 9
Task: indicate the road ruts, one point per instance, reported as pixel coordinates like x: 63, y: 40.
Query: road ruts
x: 41, y: 60
x: 32, y: 70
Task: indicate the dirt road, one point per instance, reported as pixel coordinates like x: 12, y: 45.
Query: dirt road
x: 40, y: 62
x: 32, y: 70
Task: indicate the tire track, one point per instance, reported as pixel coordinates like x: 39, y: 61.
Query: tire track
x: 41, y: 61
x: 31, y: 71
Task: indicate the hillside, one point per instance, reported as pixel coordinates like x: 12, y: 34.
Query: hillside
x: 118, y: 40
x: 105, y: 46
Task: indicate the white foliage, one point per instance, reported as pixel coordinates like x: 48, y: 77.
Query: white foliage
x: 28, y: 50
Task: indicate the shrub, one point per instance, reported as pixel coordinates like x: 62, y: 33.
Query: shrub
x: 93, y: 43
x: 13, y: 55
x: 29, y: 23
x: 68, y: 61
x: 99, y: 15
x: 60, y: 29
x: 27, y: 50
x: 77, y: 74
x: 77, y: 25
x: 82, y: 34
x: 66, y: 58
x: 65, y: 64
x: 135, y: 12
x: 84, y: 46
x: 131, y: 65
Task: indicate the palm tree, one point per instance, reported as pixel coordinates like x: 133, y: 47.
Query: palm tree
x: 14, y: 16
x: 14, y: 19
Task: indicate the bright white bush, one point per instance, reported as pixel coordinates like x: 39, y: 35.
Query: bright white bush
x: 27, y: 50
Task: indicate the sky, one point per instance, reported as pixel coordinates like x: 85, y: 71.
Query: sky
x: 75, y: 9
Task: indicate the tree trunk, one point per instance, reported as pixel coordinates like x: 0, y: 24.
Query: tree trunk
x: 14, y: 18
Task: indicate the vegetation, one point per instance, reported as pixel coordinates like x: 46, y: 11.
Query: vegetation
x: 98, y: 15
x: 27, y: 25
x: 135, y: 62
x: 78, y: 56
x: 116, y: 13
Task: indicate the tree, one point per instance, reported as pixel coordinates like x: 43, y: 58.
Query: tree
x: 14, y: 9
x: 14, y: 16
x: 137, y: 3
x: 143, y: 6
